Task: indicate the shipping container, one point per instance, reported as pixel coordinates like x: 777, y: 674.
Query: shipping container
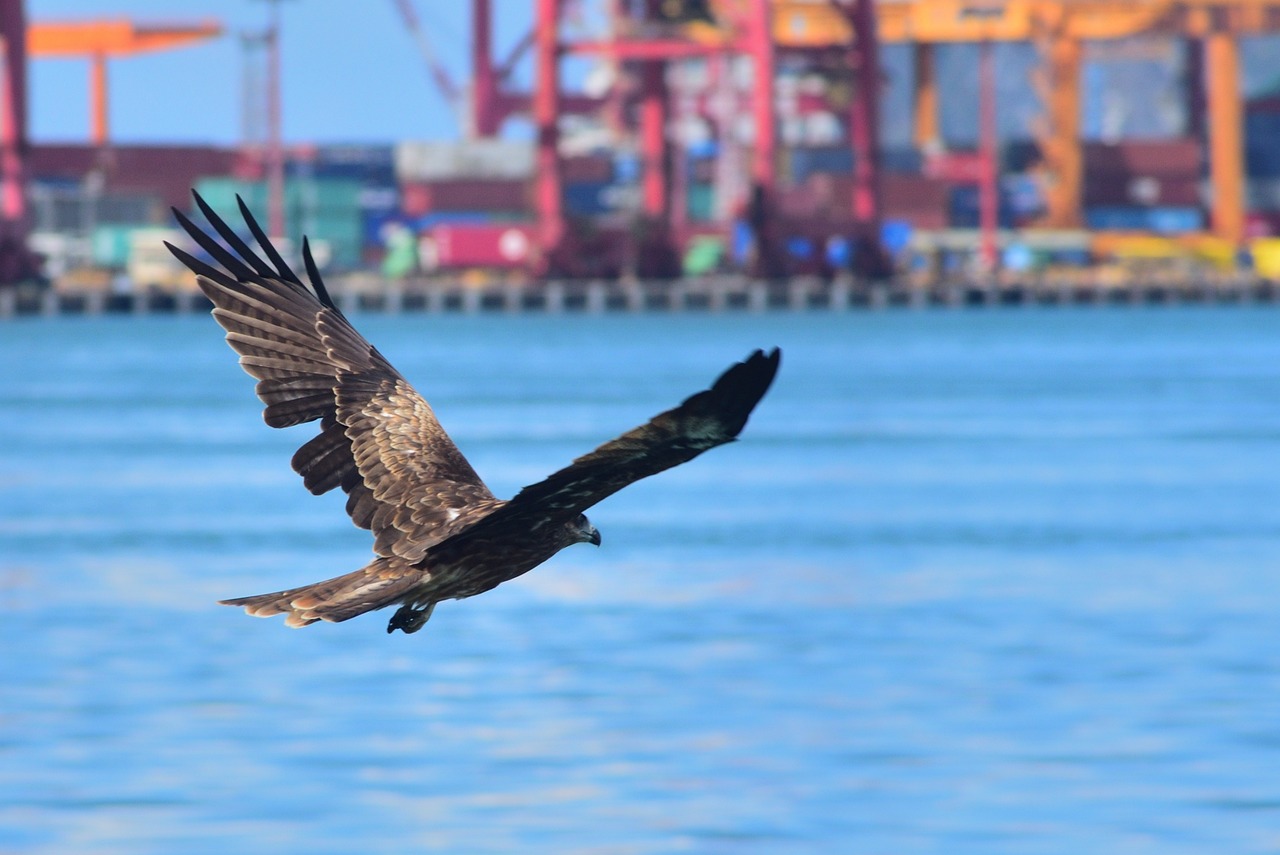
x: 700, y: 202
x: 925, y: 219
x: 1174, y: 158
x: 1263, y: 194
x: 512, y: 196
x: 151, y: 266
x: 702, y: 170
x: 961, y: 167
x: 166, y: 173
x: 1020, y: 155
x: 435, y: 161
x: 906, y: 160
x: 1024, y: 194
x: 370, y: 164
x: 110, y: 245
x: 1141, y: 190
x: 69, y: 206
x: 323, y: 210
x: 919, y: 200
x: 627, y: 167
x: 299, y: 194
x: 587, y: 168
x: 804, y: 162
x: 131, y: 209
x: 588, y: 198
x: 901, y: 195
x: 375, y: 225
x: 1021, y: 200
x: 343, y: 236
x: 964, y: 208
x: 459, y: 246
x: 1262, y: 223
x: 1161, y: 220
x: 378, y: 199
x: 1262, y: 144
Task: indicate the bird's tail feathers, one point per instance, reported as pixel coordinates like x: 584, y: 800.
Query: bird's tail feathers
x: 382, y: 583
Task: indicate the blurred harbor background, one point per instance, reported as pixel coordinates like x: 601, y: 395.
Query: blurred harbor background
x: 971, y: 583
x: 1040, y: 145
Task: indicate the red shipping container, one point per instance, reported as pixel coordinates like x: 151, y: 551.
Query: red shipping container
x: 917, y: 199
x: 463, y: 245
x: 588, y: 169
x: 1262, y: 224
x: 165, y: 172
x: 1178, y: 158
x: 960, y: 167
x: 833, y: 194
x: 1141, y: 190
x: 912, y: 193
x: 465, y: 194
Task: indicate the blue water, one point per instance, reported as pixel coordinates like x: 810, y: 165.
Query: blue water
x: 973, y: 582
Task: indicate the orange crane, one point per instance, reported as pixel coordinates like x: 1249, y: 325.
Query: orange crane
x: 101, y: 40
x: 1060, y: 28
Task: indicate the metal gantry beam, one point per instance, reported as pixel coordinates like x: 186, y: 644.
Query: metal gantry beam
x: 103, y: 40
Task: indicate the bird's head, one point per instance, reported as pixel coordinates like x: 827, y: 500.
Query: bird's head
x: 582, y: 531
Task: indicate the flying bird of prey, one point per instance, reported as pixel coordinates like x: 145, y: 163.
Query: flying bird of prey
x: 439, y: 533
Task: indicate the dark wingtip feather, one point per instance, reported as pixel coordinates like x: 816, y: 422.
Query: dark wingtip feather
x: 201, y: 268
x: 240, y: 260
x: 313, y: 273
x: 282, y: 269
x: 217, y: 251
x: 740, y: 388
x: 233, y: 240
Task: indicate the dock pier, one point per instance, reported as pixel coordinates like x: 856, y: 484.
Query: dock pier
x: 707, y: 295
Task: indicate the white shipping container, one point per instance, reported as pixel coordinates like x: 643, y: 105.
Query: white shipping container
x: 434, y: 161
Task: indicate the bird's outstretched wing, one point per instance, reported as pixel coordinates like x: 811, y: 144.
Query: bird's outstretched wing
x: 379, y: 439
x: 712, y: 417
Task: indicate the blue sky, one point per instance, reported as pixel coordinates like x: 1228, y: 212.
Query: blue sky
x: 350, y: 71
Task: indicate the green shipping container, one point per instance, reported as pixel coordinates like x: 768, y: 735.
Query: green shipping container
x: 111, y: 245
x: 701, y: 202
x: 308, y: 193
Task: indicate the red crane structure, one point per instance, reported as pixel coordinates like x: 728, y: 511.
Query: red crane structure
x: 17, y: 262
x: 744, y: 28
x: 489, y: 100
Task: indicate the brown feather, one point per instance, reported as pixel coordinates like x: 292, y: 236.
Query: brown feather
x: 382, y: 583
x: 384, y: 447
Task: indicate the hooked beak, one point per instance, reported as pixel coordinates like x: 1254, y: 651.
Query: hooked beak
x: 594, y: 536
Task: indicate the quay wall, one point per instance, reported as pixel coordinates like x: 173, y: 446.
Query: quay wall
x: 729, y: 295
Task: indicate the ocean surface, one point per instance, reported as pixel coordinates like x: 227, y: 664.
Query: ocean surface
x: 1002, y: 581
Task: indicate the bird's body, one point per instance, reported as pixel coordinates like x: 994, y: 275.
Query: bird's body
x: 439, y: 533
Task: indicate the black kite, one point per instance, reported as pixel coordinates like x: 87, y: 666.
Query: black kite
x: 439, y: 533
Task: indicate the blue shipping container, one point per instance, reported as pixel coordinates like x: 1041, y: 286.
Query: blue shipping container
x: 835, y: 160
x: 903, y: 159
x: 626, y: 168
x: 1262, y: 144
x: 1162, y: 220
x: 839, y: 160
x: 964, y: 209
x: 587, y: 199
